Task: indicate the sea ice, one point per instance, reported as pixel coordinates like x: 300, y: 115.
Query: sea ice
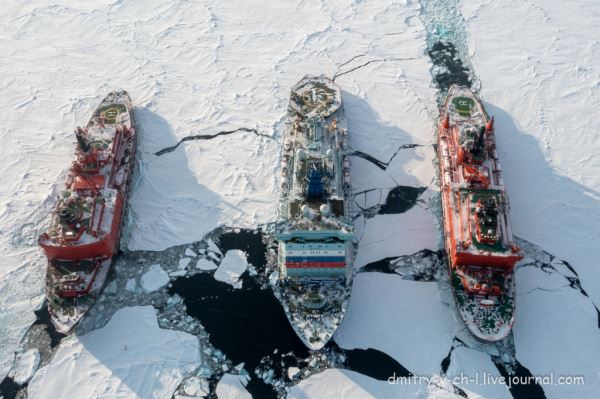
x: 25, y: 365
x: 233, y: 387
x: 475, y: 373
x: 131, y: 285
x: 542, y: 88
x: 394, y: 316
x: 183, y: 262
x: 341, y: 384
x: 154, y: 279
x: 190, y: 253
x: 129, y: 357
x: 555, y: 331
x: 205, y: 264
x: 394, y: 235
x: 232, y: 266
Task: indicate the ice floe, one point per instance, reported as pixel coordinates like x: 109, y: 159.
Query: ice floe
x: 25, y: 365
x: 232, y: 266
x: 233, y: 387
x: 154, y: 278
x: 129, y: 357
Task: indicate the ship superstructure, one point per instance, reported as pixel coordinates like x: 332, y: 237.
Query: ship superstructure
x: 85, y: 227
x: 314, y: 227
x: 477, y: 230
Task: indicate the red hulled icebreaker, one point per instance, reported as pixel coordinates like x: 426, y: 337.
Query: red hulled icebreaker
x: 477, y: 231
x: 85, y: 227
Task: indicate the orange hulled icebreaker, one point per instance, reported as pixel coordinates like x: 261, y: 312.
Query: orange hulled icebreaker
x: 477, y: 231
x: 85, y: 227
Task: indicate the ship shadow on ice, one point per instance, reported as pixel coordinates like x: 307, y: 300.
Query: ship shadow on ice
x: 541, y: 194
x: 372, y: 139
x: 382, y: 190
x: 166, y: 197
x: 155, y: 182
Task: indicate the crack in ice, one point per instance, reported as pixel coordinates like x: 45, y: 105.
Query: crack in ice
x: 338, y: 74
x: 210, y: 137
x: 380, y: 164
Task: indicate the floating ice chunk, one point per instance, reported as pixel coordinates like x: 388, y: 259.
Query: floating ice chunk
x: 252, y: 270
x: 131, y: 285
x: 178, y: 273
x: 469, y: 363
x: 154, y: 278
x: 183, y: 262
x: 273, y: 278
x: 189, y: 252
x: 131, y: 356
x: 25, y: 365
x: 232, y: 266
x: 371, y: 322
x: 195, y: 386
x: 205, y: 264
x: 292, y: 372
x: 336, y: 383
x: 239, y: 367
x: 213, y: 247
x: 213, y: 257
x: 268, y: 376
x: 233, y: 387
x: 174, y: 300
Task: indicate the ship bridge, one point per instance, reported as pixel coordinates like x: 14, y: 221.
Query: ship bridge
x: 314, y: 226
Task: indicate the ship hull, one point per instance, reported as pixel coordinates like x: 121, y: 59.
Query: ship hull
x: 67, y: 313
x: 463, y: 299
x: 316, y: 242
x: 316, y: 339
x: 480, y: 266
x: 88, y: 264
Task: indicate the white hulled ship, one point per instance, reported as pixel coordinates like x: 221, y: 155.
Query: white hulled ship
x: 316, y: 243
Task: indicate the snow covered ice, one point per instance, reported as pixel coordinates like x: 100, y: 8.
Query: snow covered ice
x: 205, y: 264
x: 154, y: 278
x: 232, y: 266
x: 26, y: 364
x: 200, y: 68
x: 129, y: 357
x: 232, y: 387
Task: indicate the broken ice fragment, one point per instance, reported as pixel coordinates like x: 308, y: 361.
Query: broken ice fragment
x: 154, y: 278
x: 189, y: 252
x: 205, y: 264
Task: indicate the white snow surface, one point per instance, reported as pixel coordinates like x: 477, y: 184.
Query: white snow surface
x: 190, y: 253
x: 392, y: 315
x: 25, y: 365
x: 556, y: 332
x: 342, y: 384
x: 130, y: 357
x: 475, y: 373
x: 394, y: 235
x: 183, y: 262
x: 205, y: 264
x: 154, y: 278
x: 232, y: 266
x: 233, y: 387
